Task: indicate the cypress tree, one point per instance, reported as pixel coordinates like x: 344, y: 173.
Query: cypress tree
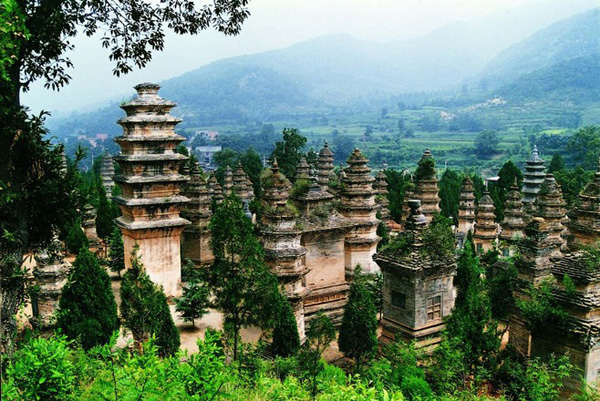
x: 358, y: 332
x: 116, y: 256
x: 286, y: 340
x: 87, y: 307
x: 76, y: 239
x: 194, y: 302
x: 145, y: 310
x: 105, y: 218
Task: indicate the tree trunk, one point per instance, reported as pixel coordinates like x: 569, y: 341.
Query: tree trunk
x: 12, y: 294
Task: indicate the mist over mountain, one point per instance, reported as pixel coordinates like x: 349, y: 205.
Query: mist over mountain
x: 342, y: 72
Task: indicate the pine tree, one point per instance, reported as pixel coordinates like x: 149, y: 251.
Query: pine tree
x: 319, y: 335
x: 107, y: 212
x: 243, y: 287
x: 87, y: 309
x: 194, y: 302
x: 145, y: 310
x: 76, y: 239
x: 116, y: 256
x: 286, y: 340
x: 358, y: 332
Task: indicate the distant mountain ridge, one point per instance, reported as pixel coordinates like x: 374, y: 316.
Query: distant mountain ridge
x: 342, y: 71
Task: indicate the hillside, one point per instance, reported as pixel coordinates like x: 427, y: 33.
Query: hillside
x: 575, y: 37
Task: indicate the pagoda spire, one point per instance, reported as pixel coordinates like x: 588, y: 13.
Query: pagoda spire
x: 485, y: 234
x: 513, y: 225
x: 426, y: 188
x: 533, y: 178
x: 466, y: 207
x: 324, y: 166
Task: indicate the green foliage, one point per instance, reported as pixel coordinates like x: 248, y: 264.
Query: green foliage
x: 397, y: 185
x: 145, y: 311
x: 243, y: 287
x: 556, y: 164
x: 288, y: 152
x: 194, y: 302
x: 438, y: 239
x: 486, y: 144
x: 449, y: 193
x: 319, y: 335
x: 447, y: 372
x: 76, y: 239
x: 286, y: 340
x: 87, y: 308
x: 107, y: 212
x: 358, y: 332
x: 41, y: 370
x: 471, y: 327
x: 425, y: 169
x: 501, y: 284
x: 507, y: 175
x: 374, y: 285
x: 540, y: 309
x: 584, y: 147
x: 299, y: 188
x: 204, y: 374
x: 116, y: 255
x: 572, y: 182
x: 591, y: 254
x: 533, y: 379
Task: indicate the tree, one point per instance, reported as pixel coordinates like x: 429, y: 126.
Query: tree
x: 450, y: 185
x: 319, y: 335
x: 107, y: 212
x: 486, y: 144
x: 145, y: 311
x: 40, y: 35
x: 289, y: 151
x: 506, y: 178
x: 194, y: 302
x: 556, y: 164
x: 358, y: 332
x: 252, y: 165
x: 76, y: 239
x: 398, y: 183
x: 584, y: 147
x: 116, y: 256
x: 87, y: 308
x: 243, y: 288
x: 471, y: 327
x: 343, y: 145
x: 375, y: 286
x: 37, y: 200
x: 286, y: 340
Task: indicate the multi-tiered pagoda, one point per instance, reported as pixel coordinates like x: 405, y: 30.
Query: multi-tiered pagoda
x: 150, y: 181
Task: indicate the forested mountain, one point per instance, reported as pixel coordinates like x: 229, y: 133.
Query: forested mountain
x: 575, y: 37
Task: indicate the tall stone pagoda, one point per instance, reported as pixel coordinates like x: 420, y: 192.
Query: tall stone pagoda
x: 533, y: 178
x: 466, y: 207
x: 486, y: 231
x: 215, y: 189
x: 418, y: 290
x: 242, y: 186
x: 324, y: 166
x: 426, y: 186
x: 151, y: 184
x: 281, y: 236
x: 550, y: 206
x: 513, y: 225
x: 228, y: 182
x: 584, y: 222
x: 195, y: 240
x: 88, y: 224
x: 358, y: 205
x: 381, y: 196
x: 107, y: 173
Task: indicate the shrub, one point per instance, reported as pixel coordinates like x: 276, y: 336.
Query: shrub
x: 286, y: 340
x: 41, y: 370
x: 76, y: 239
x: 87, y: 308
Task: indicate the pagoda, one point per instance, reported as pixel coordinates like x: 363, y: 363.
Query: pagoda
x: 426, y: 188
x: 150, y: 181
x: 280, y: 236
x: 550, y: 206
x: 418, y: 289
x: 466, y: 207
x: 584, y: 222
x: 533, y: 179
x: 195, y: 240
x: 381, y: 196
x: 513, y: 224
x: 324, y: 166
x: 358, y: 205
x: 486, y: 231
x: 242, y: 186
x: 107, y: 173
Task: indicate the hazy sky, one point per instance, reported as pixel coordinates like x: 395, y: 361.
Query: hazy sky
x: 273, y: 24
